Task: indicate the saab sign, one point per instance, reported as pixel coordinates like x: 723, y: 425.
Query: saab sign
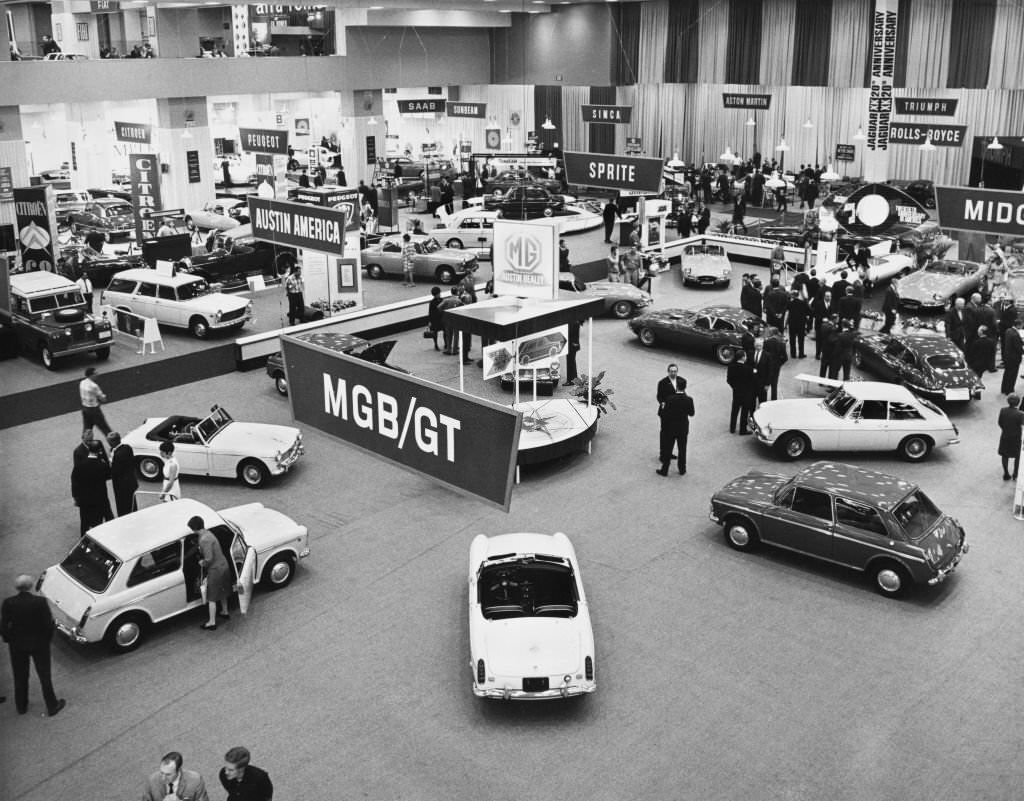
x: 615, y: 114
x: 467, y: 444
x: 299, y: 225
x: 985, y: 211
x: 613, y: 172
x: 430, y: 105
x: 264, y: 140
x: 525, y: 261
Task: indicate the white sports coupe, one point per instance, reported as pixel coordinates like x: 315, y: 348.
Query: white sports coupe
x: 880, y: 268
x: 216, y: 445
x: 530, y: 636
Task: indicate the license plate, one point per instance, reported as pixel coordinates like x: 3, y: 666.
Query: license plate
x: 105, y: 334
x: 960, y: 393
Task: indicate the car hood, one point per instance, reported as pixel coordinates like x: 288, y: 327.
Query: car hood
x: 261, y: 527
x: 942, y: 543
x: 800, y: 413
x: 255, y: 439
x: 668, y: 317
x: 612, y: 289
x: 533, y: 646
x: 68, y: 599
x: 922, y: 285
x: 705, y: 264
x: 755, y: 487
x: 214, y: 302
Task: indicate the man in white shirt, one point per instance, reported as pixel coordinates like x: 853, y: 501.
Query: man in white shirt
x: 172, y: 783
x: 92, y: 398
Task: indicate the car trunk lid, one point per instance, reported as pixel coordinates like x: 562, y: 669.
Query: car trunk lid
x: 68, y: 599
x: 532, y: 646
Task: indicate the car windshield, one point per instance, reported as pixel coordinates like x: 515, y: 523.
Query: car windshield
x: 214, y: 424
x: 91, y: 565
x: 947, y: 268
x: 119, y: 209
x: 59, y: 300
x: 527, y: 586
x: 430, y: 245
x: 945, y: 361
x: 839, y: 402
x: 193, y: 289
x: 916, y: 514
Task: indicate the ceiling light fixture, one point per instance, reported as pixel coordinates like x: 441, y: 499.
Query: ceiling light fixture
x: 750, y: 121
x: 371, y: 121
x: 808, y: 124
x: 860, y: 134
x: 926, y: 145
x: 995, y: 144
x: 782, y: 147
x: 547, y: 125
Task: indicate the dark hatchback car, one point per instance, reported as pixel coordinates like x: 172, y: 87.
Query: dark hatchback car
x: 342, y: 343
x: 928, y: 365
x: 109, y: 215
x: 504, y: 181
x: 923, y: 192
x: 878, y: 524
x: 525, y: 202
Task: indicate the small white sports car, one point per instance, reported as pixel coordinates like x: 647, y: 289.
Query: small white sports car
x: 216, y: 445
x: 530, y: 636
x: 221, y: 214
x: 855, y: 416
x: 127, y: 574
x: 881, y: 268
x: 705, y: 265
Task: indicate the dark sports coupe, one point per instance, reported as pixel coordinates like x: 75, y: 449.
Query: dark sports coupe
x: 929, y: 365
x: 939, y: 282
x: 716, y: 330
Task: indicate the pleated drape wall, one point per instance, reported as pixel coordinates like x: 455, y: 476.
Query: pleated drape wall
x: 928, y: 31
x: 713, y: 33
x: 743, y: 48
x: 971, y: 28
x: 682, y: 40
x: 626, y: 43
x: 811, y: 42
x: 1007, y: 68
x: 547, y: 105
x: 778, y: 26
x: 848, y: 55
x: 575, y: 135
x: 602, y: 135
x: 654, y: 29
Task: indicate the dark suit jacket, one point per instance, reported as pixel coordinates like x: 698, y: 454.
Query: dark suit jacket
x: 89, y: 482
x: 799, y: 314
x: 891, y: 301
x: 849, y: 307
x: 1013, y: 347
x: 761, y: 369
x: 666, y: 390
x: 750, y: 300
x: 740, y: 378
x: 255, y: 785
x: 25, y: 622
x: 676, y: 413
x: 122, y: 468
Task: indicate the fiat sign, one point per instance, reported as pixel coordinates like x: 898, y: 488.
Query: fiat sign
x: 525, y: 260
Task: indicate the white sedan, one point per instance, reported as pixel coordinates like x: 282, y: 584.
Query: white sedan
x: 127, y: 574
x: 221, y: 214
x: 216, y: 445
x: 530, y: 636
x: 880, y: 268
x: 470, y: 229
x: 855, y: 416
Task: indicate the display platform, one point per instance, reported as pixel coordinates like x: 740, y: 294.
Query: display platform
x: 553, y: 428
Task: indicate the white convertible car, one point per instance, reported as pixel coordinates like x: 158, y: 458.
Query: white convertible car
x: 705, y: 265
x: 855, y: 416
x: 216, y: 445
x: 530, y: 636
x: 881, y: 268
x: 142, y: 568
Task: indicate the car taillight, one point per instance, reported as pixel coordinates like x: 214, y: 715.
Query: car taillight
x: 588, y: 668
x: 39, y: 581
x: 85, y: 617
x: 480, y: 672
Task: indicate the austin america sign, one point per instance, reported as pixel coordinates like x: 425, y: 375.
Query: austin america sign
x: 467, y: 444
x: 613, y: 172
x: 298, y: 224
x: 985, y: 211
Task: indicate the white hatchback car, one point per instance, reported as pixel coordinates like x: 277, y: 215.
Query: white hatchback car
x: 530, y: 636
x: 182, y: 300
x: 127, y: 574
x: 855, y: 416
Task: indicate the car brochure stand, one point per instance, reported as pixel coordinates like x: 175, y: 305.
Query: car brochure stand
x: 144, y: 330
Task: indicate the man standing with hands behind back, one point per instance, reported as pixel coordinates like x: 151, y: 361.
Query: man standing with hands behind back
x: 27, y: 627
x: 675, y: 408
x: 171, y: 783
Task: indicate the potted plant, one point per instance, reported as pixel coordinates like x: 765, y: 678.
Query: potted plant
x: 599, y: 396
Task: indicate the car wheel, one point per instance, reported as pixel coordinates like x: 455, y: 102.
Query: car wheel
x: 278, y: 572
x: 647, y: 337
x: 127, y: 632
x: 253, y: 473
x: 454, y: 243
x: 794, y: 445
x: 915, y: 448
x: 741, y: 534
x: 858, y: 358
x: 445, y: 274
x: 375, y: 271
x: 890, y: 579
x: 102, y: 354
x: 622, y: 309
x: 188, y: 219
x: 724, y: 354
x: 47, y: 356
x: 281, y: 384
x: 199, y: 327
x: 150, y: 468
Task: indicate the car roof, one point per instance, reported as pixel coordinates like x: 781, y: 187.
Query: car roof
x: 131, y: 535
x: 855, y: 483
x: 110, y: 201
x: 40, y: 281
x: 144, y: 273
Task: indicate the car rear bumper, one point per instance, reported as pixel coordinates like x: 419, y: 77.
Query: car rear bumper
x: 508, y: 694
x: 71, y: 632
x: 949, y: 569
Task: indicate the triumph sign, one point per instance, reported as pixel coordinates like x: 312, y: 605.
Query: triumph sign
x: 525, y: 262
x: 467, y: 444
x: 985, y: 211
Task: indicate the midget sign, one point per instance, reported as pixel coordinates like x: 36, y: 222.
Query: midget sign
x: 468, y: 444
x: 986, y: 211
x: 613, y: 172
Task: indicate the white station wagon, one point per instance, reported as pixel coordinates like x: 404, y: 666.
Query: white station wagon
x: 182, y: 300
x: 127, y: 574
x: 530, y: 636
x: 855, y: 416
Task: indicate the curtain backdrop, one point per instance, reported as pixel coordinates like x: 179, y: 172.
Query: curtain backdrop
x: 778, y: 23
x: 1007, y: 68
x: 970, y: 41
x: 811, y: 40
x: 547, y: 104
x: 654, y: 33
x: 625, y: 19
x: 850, y: 38
x: 902, y: 45
x: 573, y: 134
x: 503, y: 100
x: 682, y: 45
x: 743, y: 48
x: 602, y: 134
x: 928, y: 44
x: 713, y: 33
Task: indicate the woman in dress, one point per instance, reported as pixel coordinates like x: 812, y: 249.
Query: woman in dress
x: 217, y: 573
x: 614, y: 267
x: 1011, y: 418
x: 171, y: 489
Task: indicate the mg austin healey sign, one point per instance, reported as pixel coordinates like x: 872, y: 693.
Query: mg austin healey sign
x: 525, y: 261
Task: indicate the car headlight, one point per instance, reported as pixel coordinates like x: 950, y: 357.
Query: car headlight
x: 88, y: 327
x: 938, y: 296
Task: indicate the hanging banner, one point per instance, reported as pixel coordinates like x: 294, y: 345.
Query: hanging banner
x: 195, y: 176
x: 430, y: 105
x: 912, y: 133
x: 846, y: 152
x: 733, y: 100
x: 6, y: 184
x: 136, y: 132
x: 883, y: 71
x: 265, y: 175
x: 477, y: 110
x: 36, y: 224
x: 144, y: 178
x: 925, y: 106
x: 264, y: 140
x: 985, y: 211
x: 619, y: 115
x: 613, y: 172
x: 298, y: 224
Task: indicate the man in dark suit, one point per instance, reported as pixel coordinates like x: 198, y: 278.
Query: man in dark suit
x: 799, y: 322
x: 890, y: 303
x: 849, y: 307
x: 958, y: 324
x: 821, y: 307
x: 675, y: 413
x: 242, y: 781
x: 776, y: 302
x: 842, y: 355
x: 750, y: 298
x: 741, y: 380
x: 839, y: 290
x: 89, y: 488
x: 1013, y: 350
x: 122, y: 474
x: 760, y: 372
x: 27, y: 627
x: 670, y: 384
x: 775, y: 347
x: 608, y: 214
x: 827, y: 336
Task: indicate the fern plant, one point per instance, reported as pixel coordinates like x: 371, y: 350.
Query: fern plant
x: 599, y: 396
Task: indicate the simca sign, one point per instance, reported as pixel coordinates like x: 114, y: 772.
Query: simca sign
x: 264, y: 140
x: 613, y: 114
x: 911, y: 133
x: 430, y: 105
x: 985, y: 211
x: 733, y: 100
x: 613, y: 172
x: 477, y: 110
x: 298, y: 224
x: 467, y: 444
x: 137, y: 132
x: 925, y: 106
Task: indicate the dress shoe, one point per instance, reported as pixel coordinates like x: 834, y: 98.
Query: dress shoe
x: 208, y: 627
x: 224, y: 615
x: 745, y: 433
x: 22, y: 710
x: 568, y: 383
x: 52, y: 713
x: 1006, y: 476
x: 682, y: 472
x: 732, y: 430
x: 662, y: 472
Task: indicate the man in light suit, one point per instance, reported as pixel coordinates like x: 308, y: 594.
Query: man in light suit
x: 171, y: 783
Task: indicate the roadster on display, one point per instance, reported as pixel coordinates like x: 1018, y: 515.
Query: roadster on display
x: 220, y: 214
x: 705, y: 264
x: 933, y: 286
x: 216, y: 445
x: 127, y: 574
x: 880, y: 268
x: 621, y: 300
x: 530, y: 635
x: 855, y: 416
x: 927, y: 364
x: 881, y: 525
x: 715, y: 330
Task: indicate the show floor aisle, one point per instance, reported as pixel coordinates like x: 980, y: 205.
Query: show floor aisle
x: 720, y: 675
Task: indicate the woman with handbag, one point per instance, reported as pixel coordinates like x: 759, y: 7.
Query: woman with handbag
x: 216, y: 582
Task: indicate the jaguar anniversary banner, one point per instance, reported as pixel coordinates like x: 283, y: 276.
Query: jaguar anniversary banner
x: 883, y: 72
x: 468, y: 444
x: 299, y: 225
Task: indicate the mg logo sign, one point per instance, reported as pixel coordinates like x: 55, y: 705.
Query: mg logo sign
x: 523, y: 253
